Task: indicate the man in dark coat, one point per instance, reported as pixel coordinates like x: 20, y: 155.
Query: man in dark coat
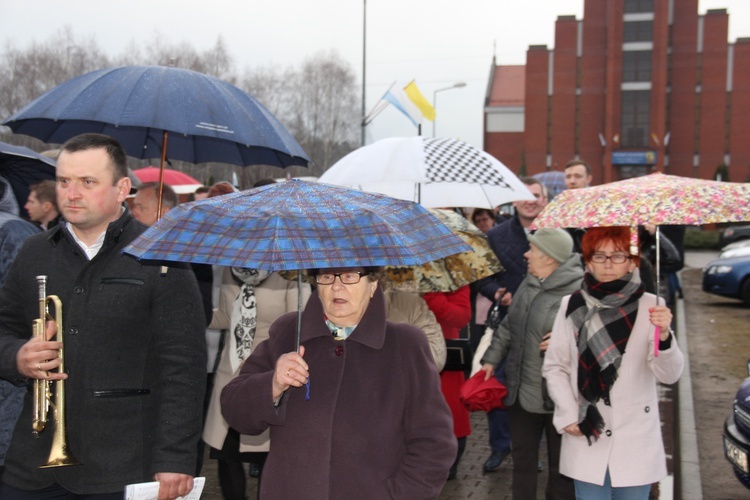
x: 13, y: 232
x: 133, y: 344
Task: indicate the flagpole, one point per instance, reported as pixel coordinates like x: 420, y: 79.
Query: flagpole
x: 364, y: 66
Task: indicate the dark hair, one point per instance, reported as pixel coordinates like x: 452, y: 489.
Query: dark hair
x: 595, y: 237
x: 168, y: 196
x: 202, y: 189
x: 114, y: 150
x: 573, y: 163
x: 45, y: 192
x: 220, y: 188
x: 478, y: 211
x: 264, y: 182
x: 530, y: 181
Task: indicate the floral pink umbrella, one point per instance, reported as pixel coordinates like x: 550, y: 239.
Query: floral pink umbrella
x: 652, y: 199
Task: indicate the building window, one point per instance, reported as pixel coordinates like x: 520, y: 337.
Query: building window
x: 639, y: 6
x: 636, y: 66
x: 638, y: 31
x: 635, y: 118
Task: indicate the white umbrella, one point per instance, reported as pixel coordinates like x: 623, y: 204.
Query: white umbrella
x: 433, y: 172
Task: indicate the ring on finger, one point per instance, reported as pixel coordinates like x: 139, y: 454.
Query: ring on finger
x: 288, y: 372
x: 38, y: 366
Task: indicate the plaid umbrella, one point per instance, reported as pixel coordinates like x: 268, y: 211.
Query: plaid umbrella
x: 553, y: 180
x: 298, y: 225
x: 433, y: 172
x: 453, y: 271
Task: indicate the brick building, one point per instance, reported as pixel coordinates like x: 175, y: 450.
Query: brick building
x: 634, y: 86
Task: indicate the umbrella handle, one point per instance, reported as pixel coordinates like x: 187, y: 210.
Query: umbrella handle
x: 657, y: 334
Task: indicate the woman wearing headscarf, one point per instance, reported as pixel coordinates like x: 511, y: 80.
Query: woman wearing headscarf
x: 601, y: 372
x: 356, y: 412
x: 520, y: 341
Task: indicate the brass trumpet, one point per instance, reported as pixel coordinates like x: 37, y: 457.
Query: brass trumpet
x: 59, y: 454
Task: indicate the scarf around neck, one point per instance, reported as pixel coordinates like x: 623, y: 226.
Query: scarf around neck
x: 243, y: 317
x: 602, y: 315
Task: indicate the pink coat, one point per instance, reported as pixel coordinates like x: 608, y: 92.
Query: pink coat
x: 631, y: 445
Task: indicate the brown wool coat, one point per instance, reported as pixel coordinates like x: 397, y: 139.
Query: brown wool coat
x: 375, y: 426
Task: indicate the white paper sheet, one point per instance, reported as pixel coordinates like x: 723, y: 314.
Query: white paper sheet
x: 150, y: 491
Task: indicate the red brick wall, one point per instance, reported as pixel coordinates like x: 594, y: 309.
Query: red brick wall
x: 659, y: 66
x: 536, y: 106
x: 682, y: 99
x: 506, y: 147
x: 593, y: 81
x: 713, y: 93
x: 564, y: 92
x: 739, y: 145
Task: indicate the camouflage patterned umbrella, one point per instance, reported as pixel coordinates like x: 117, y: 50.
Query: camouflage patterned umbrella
x: 454, y: 271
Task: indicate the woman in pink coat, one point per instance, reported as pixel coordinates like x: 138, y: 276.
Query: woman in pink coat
x: 602, y: 374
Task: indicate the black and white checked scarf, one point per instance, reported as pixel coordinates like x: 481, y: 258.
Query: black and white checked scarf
x: 603, y: 315
x: 243, y: 317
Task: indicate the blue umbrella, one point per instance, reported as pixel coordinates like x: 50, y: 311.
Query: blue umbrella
x: 206, y: 119
x: 21, y: 167
x: 553, y: 180
x: 298, y: 225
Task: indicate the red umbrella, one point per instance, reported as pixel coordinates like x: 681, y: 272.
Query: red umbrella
x: 478, y: 394
x: 171, y: 177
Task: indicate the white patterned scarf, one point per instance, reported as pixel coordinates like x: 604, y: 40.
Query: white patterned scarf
x: 243, y: 317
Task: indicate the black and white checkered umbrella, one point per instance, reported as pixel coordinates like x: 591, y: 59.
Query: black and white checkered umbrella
x: 433, y: 172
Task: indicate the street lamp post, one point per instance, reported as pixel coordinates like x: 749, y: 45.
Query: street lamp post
x: 457, y: 85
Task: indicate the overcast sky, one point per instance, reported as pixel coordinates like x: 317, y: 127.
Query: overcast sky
x: 435, y: 42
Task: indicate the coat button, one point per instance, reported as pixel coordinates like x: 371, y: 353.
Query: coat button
x: 647, y: 409
x: 73, y: 331
x: 78, y: 289
x: 339, y: 350
x: 608, y: 433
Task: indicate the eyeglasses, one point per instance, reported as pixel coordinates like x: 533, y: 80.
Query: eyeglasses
x: 347, y: 278
x: 615, y: 258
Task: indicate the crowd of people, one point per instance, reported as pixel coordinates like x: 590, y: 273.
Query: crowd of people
x: 161, y: 360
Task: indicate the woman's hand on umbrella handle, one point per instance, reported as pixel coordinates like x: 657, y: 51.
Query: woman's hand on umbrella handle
x: 489, y: 371
x: 661, y: 317
x: 573, y: 430
x: 290, y: 371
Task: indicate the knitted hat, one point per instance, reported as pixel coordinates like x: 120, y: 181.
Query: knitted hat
x: 555, y: 243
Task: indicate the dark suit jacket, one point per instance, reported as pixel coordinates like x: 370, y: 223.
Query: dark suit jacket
x: 135, y: 354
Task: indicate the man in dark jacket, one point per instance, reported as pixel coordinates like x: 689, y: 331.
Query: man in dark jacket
x: 134, y: 344
x: 13, y: 231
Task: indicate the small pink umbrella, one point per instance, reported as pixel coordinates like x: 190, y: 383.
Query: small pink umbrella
x: 652, y: 199
x: 171, y: 177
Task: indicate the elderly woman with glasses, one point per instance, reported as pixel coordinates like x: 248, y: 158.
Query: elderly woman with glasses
x: 602, y: 369
x: 357, y: 412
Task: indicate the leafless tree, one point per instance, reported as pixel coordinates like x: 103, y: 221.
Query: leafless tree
x: 317, y: 102
x: 28, y: 73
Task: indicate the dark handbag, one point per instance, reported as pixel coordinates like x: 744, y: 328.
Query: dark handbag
x: 458, y: 355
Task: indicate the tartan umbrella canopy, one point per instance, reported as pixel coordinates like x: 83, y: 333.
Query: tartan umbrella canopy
x: 298, y: 225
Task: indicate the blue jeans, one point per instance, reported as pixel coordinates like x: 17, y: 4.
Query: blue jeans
x: 497, y: 420
x: 590, y: 491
